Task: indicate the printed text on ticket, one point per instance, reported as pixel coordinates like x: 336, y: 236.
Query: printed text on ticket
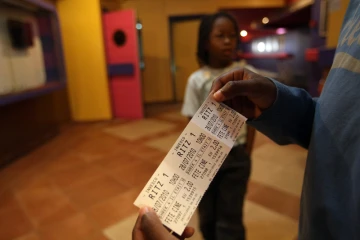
x: 177, y: 186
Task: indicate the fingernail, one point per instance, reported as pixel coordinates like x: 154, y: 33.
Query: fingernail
x: 144, y: 210
x: 218, y: 95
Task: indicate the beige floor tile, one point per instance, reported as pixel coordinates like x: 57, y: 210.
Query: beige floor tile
x: 122, y: 229
x: 262, y: 223
x: 139, y: 129
x: 290, y: 155
x: 163, y: 143
x: 281, y: 167
x: 282, y: 178
x: 262, y: 171
x: 288, y: 179
x: 274, y: 199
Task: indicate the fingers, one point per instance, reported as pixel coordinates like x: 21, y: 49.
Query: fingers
x: 188, y: 232
x: 152, y: 227
x: 243, y: 96
x: 225, y: 78
x: 149, y: 227
x: 233, y: 89
x: 136, y: 234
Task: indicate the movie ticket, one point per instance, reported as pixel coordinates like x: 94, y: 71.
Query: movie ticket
x: 177, y: 186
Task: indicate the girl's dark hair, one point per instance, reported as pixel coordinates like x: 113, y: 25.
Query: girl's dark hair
x: 204, y: 34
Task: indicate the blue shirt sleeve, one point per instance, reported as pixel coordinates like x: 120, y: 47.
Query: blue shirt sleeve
x: 290, y: 118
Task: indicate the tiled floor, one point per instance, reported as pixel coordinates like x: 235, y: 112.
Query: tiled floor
x: 81, y: 185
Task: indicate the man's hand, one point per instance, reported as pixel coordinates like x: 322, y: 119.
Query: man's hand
x: 149, y: 227
x: 245, y: 92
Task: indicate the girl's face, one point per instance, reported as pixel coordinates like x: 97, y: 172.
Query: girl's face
x: 222, y: 42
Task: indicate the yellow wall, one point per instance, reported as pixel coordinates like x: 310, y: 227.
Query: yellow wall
x: 335, y: 20
x: 154, y: 17
x: 84, y: 51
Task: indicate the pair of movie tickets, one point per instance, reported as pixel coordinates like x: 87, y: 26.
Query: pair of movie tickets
x: 177, y: 186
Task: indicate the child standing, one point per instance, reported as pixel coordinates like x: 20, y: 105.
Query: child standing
x: 221, y: 208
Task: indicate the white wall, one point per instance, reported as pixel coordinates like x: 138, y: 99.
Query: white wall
x: 20, y: 69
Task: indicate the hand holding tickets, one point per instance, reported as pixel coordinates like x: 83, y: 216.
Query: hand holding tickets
x: 245, y: 91
x: 149, y: 227
x: 177, y: 186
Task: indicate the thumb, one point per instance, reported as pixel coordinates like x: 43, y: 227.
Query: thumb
x: 152, y: 227
x: 233, y: 89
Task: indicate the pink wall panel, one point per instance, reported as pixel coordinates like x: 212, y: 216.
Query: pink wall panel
x: 125, y: 105
x: 126, y: 91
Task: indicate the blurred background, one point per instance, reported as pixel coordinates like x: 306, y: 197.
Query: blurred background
x: 90, y: 97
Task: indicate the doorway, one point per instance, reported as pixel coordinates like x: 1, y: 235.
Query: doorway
x: 183, y: 43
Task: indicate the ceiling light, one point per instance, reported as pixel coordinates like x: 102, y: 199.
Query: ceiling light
x: 268, y: 46
x: 243, y: 33
x: 265, y: 20
x: 261, y: 47
x: 280, y: 31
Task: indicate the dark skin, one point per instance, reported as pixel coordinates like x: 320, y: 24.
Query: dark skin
x: 246, y: 92
x: 149, y: 227
x: 222, y: 43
